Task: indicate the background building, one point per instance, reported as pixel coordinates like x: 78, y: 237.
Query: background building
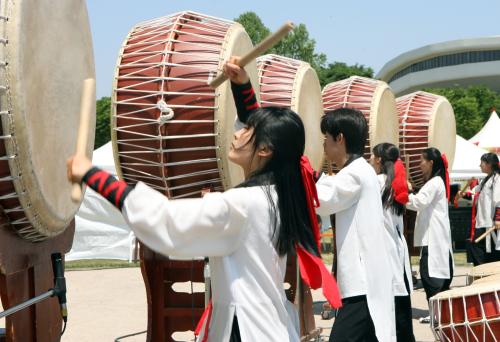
x: 457, y: 63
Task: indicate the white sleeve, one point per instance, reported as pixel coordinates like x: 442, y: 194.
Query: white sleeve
x: 210, y: 226
x: 496, y: 192
x: 423, y: 198
x: 337, y: 193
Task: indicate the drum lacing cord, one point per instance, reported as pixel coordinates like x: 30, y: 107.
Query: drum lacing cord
x: 467, y: 324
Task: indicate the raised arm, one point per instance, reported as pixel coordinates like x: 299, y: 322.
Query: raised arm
x: 424, y: 197
x: 337, y: 193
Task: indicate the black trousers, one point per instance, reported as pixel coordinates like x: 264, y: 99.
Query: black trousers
x: 476, y: 252
x: 353, y: 322
x: 404, y: 324
x: 235, y: 331
x: 433, y: 286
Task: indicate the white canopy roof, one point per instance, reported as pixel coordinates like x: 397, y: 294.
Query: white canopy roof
x: 100, y: 230
x: 467, y: 160
x: 489, y: 136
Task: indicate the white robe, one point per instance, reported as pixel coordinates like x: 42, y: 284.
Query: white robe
x: 432, y: 227
x: 363, y: 266
x: 397, y: 247
x: 234, y: 229
x: 488, y: 201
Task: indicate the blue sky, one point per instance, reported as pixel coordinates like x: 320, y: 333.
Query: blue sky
x: 364, y: 32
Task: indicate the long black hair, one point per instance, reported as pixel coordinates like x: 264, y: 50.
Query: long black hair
x: 282, y: 131
x: 353, y: 126
x: 438, y: 168
x: 492, y: 160
x: 389, y: 154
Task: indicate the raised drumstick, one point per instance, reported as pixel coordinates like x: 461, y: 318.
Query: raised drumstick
x: 86, y: 105
x: 262, y: 47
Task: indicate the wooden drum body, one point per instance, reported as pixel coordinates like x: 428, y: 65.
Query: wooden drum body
x: 374, y: 99
x: 470, y: 313
x: 425, y: 120
x: 45, y: 55
x: 287, y: 82
x: 170, y: 130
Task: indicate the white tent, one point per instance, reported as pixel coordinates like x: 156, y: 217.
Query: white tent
x: 489, y: 136
x: 467, y: 160
x: 101, y: 231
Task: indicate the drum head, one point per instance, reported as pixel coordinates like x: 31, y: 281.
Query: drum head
x: 488, y: 279
x: 383, y: 123
x: 237, y: 43
x: 442, y: 129
x: 307, y: 101
x: 49, y: 55
x: 485, y: 270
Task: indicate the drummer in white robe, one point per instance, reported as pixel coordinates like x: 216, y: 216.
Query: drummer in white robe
x: 432, y: 226
x: 487, y: 212
x: 364, y: 274
x: 241, y: 230
x: 394, y: 191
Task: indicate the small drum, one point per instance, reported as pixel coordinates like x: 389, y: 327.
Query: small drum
x: 45, y: 55
x: 374, y: 99
x: 482, y: 271
x: 170, y: 130
x: 470, y: 313
x: 286, y: 82
x: 425, y: 120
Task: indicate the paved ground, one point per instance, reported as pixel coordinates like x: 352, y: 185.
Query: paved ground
x: 106, y: 304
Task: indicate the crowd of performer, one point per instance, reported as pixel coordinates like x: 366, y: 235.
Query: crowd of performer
x: 248, y: 231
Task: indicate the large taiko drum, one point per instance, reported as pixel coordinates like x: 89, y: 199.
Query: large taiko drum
x: 45, y: 55
x: 482, y: 271
x: 425, y: 120
x: 374, y: 99
x: 170, y: 130
x: 287, y: 82
x: 470, y: 313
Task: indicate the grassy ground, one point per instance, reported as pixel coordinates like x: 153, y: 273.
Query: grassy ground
x: 459, y: 257
x: 96, y: 264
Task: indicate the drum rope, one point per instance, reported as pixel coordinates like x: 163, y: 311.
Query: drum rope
x: 148, y: 41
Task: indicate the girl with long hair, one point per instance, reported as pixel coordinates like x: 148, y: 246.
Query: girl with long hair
x: 247, y: 231
x: 391, y: 175
x: 432, y: 226
x: 486, y: 212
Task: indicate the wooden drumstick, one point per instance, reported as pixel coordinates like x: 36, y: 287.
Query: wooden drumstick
x: 262, y: 47
x: 482, y: 236
x: 86, y: 105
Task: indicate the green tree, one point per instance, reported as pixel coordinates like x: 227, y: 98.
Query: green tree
x: 486, y: 99
x: 103, y: 115
x: 339, y: 71
x: 299, y: 45
x: 254, y: 26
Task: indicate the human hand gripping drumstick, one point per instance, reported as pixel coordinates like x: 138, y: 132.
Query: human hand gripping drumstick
x: 88, y: 97
x: 262, y: 47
